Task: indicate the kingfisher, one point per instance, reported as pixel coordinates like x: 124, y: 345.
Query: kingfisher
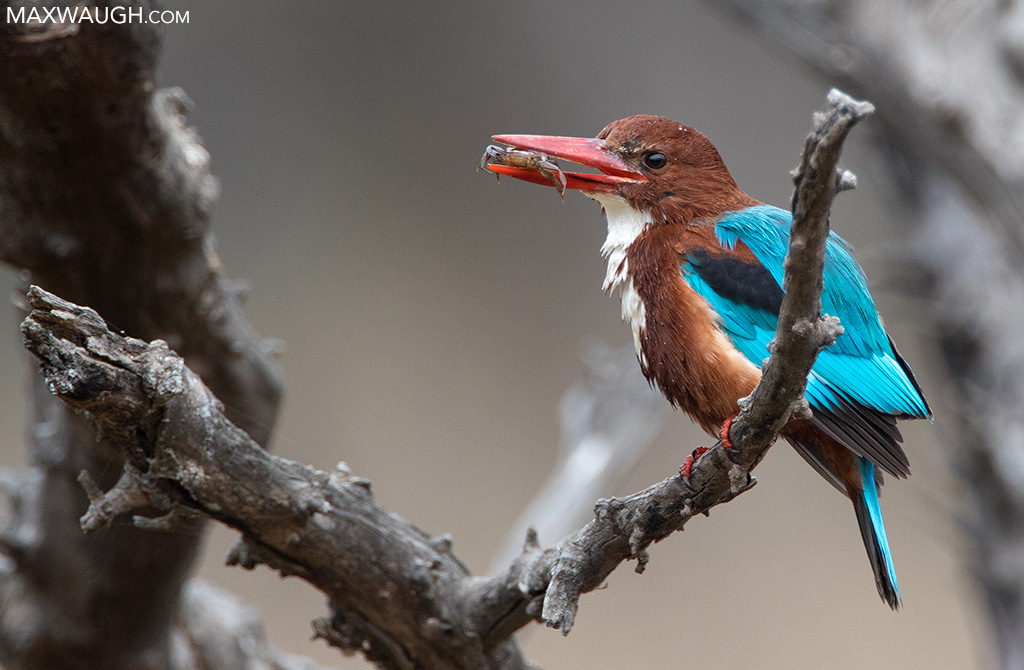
x: 698, y: 265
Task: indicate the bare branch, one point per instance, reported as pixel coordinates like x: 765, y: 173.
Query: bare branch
x: 399, y: 595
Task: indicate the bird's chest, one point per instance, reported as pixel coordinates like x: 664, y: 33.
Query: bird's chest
x: 675, y: 331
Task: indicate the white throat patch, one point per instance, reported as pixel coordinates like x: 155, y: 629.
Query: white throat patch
x: 624, y: 225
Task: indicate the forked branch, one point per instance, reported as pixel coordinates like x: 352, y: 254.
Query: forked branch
x: 398, y: 595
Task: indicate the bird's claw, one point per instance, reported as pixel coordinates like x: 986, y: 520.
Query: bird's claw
x: 731, y: 452
x: 687, y: 466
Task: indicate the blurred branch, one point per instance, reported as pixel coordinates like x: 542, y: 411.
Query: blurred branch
x: 947, y: 97
x: 609, y: 418
x: 979, y: 315
x: 222, y: 633
x: 949, y: 81
x: 418, y: 607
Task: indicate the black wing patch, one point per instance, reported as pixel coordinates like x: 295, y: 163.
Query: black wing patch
x: 743, y: 283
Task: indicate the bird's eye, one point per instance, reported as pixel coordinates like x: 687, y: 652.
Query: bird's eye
x: 655, y: 160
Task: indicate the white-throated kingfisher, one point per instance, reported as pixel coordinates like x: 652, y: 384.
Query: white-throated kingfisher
x: 698, y: 264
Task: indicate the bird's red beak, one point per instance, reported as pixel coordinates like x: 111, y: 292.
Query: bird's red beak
x: 591, y: 152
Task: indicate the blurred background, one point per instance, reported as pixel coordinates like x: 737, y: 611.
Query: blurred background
x: 433, y: 318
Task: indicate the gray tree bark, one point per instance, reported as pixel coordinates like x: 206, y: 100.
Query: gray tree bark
x: 105, y: 196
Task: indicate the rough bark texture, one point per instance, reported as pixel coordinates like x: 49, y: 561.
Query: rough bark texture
x: 105, y: 197
x: 948, y: 79
x: 400, y: 596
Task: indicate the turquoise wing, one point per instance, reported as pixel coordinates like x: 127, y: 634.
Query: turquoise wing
x: 860, y: 385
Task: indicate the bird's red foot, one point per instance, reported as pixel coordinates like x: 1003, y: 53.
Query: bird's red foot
x: 687, y: 466
x: 731, y: 451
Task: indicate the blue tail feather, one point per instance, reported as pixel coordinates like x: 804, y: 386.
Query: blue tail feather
x: 869, y: 516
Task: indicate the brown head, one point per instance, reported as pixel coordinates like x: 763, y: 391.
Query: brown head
x: 652, y: 163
